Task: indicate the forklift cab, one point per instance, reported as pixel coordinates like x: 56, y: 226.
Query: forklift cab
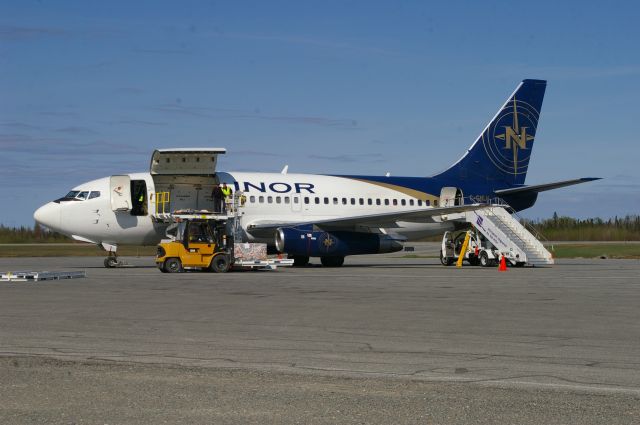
x: 197, y: 243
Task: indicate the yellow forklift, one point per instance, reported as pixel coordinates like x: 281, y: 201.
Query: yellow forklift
x: 197, y: 241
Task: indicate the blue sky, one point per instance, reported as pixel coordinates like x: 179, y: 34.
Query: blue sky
x: 89, y: 89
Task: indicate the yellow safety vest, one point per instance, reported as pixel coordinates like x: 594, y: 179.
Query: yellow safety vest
x: 226, y: 191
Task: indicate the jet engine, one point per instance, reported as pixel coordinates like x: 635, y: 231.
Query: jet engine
x: 298, y: 242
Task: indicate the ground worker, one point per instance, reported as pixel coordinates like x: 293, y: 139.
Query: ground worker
x: 226, y: 193
x: 218, y: 201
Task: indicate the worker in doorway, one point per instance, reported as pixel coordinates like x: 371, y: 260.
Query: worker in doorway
x: 218, y: 199
x: 227, y: 194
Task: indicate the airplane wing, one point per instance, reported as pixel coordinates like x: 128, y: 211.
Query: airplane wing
x: 386, y: 220
x: 542, y: 187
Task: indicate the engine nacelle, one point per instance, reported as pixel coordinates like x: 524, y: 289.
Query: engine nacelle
x: 340, y: 243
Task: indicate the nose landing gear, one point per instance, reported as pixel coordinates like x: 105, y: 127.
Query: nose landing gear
x: 112, y: 260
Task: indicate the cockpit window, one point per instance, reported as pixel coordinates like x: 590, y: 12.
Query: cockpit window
x: 82, y: 195
x: 94, y: 194
x: 72, y: 194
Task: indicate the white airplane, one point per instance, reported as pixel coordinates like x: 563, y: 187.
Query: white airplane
x: 306, y: 215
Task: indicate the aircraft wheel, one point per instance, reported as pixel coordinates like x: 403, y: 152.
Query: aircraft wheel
x: 332, y: 261
x: 173, y: 265
x: 484, y: 259
x: 299, y: 260
x: 220, y: 264
x: 110, y: 262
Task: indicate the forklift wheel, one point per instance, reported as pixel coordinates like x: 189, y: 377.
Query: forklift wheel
x: 173, y: 265
x: 220, y: 264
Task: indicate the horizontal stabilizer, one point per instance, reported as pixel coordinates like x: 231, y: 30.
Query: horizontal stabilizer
x: 543, y: 187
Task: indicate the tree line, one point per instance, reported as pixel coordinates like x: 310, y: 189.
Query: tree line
x: 561, y: 228
x: 35, y: 234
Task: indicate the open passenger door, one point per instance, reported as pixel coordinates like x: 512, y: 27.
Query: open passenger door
x: 120, y: 192
x: 185, y: 161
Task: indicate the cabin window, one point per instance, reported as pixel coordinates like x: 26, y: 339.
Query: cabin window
x: 306, y: 199
x: 94, y: 194
x: 378, y: 201
x: 353, y: 201
x: 270, y: 199
x: 419, y: 202
x: 344, y: 201
x: 435, y: 202
x: 317, y: 200
x: 326, y: 201
x: 369, y: 201
x: 252, y: 199
x: 386, y: 202
x: 295, y: 200
x: 395, y: 202
x: 427, y: 202
x: 361, y: 201
x: 403, y: 202
x: 278, y: 200
x: 286, y: 200
x: 411, y: 202
x: 261, y: 199
x: 335, y: 201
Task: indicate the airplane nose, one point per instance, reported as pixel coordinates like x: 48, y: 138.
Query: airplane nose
x: 48, y: 215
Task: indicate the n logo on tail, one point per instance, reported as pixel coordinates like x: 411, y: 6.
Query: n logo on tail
x: 507, y: 137
x: 515, y: 137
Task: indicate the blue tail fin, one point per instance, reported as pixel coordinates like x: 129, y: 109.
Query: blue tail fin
x: 499, y: 158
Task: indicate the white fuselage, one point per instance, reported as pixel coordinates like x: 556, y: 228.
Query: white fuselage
x: 270, y: 198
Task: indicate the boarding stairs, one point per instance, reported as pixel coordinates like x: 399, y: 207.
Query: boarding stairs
x: 510, y: 237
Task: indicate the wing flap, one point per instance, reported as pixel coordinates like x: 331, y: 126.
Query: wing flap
x: 385, y: 220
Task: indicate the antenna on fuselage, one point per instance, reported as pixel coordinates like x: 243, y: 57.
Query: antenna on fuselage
x: 285, y: 169
x: 388, y: 174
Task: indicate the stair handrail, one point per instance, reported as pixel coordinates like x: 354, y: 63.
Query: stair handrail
x: 506, y: 224
x: 527, y: 224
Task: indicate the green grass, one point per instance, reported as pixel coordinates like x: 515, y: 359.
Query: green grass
x: 71, y: 250
x: 586, y: 250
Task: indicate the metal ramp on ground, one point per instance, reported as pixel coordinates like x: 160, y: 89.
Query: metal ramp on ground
x: 36, y: 276
x: 510, y: 237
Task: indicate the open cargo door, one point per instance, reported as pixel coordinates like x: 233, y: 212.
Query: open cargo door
x: 120, y: 190
x: 185, y: 161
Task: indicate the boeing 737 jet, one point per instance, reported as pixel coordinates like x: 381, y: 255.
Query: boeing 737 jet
x: 307, y: 215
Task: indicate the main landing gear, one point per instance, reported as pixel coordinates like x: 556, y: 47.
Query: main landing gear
x: 332, y: 261
x: 302, y: 261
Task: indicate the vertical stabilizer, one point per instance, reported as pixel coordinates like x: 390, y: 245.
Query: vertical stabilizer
x: 499, y: 158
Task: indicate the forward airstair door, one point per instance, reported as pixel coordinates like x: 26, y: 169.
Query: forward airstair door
x: 120, y: 190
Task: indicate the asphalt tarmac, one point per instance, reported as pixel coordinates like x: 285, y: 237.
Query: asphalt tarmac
x: 384, y: 339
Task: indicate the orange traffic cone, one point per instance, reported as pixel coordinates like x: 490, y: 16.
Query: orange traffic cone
x: 503, y: 264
